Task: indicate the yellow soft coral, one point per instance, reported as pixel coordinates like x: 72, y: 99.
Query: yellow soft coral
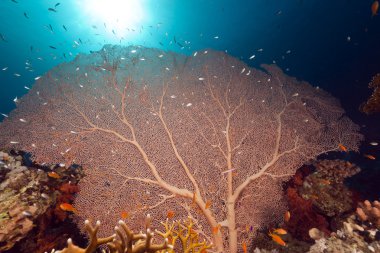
x: 183, y: 237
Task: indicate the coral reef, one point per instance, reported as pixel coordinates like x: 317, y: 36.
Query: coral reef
x: 372, y: 105
x: 325, y: 187
x: 28, y: 197
x: 354, y: 236
x: 317, y: 196
x: 126, y: 241
x: 205, y: 135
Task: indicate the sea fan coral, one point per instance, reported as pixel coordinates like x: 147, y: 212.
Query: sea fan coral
x: 204, y: 136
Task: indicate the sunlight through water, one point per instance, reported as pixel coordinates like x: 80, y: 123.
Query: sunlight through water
x: 117, y: 15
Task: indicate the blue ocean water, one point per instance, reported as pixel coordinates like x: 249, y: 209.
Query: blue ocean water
x: 331, y: 44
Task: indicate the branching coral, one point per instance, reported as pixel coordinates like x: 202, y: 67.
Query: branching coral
x: 373, y: 103
x: 185, y: 235
x: 179, y: 235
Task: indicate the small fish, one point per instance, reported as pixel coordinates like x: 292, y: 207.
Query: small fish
x: 14, y: 1
x: 208, y: 204
x: 195, y: 54
x: 17, y: 74
x: 3, y: 38
x: 325, y: 182
x: 374, y: 8
x: 161, y: 55
x: 26, y: 15
x: 260, y: 50
x: 68, y: 207
x: 244, y: 246
x: 52, y: 10
x: 14, y: 142
x: 52, y: 47
x: 277, y: 239
x: 53, y: 174
x: 56, y: 5
x: 16, y: 100
x: 189, y: 104
x: 226, y: 171
x: 23, y: 120
x: 133, y: 51
x: 170, y: 214
x: 194, y: 197
x: 38, y: 77
x: 371, y: 157
x: 64, y: 27
x: 343, y: 148
x: 201, y: 78
x: 173, y: 96
x: 5, y: 115
x: 252, y: 56
x: 27, y: 213
x: 295, y: 95
x: 374, y: 144
x: 280, y: 231
x: 124, y: 215
x: 216, y: 37
x: 215, y: 230
x: 5, y: 68
x: 287, y: 216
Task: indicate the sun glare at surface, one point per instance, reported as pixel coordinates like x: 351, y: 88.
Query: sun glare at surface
x: 117, y: 15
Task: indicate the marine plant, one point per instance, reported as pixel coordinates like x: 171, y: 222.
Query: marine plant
x: 204, y: 136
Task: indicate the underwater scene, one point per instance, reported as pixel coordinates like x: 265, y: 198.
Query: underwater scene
x: 189, y: 126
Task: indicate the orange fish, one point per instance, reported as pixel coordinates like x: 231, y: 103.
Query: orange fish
x: 67, y: 207
x: 343, y: 148
x: 374, y: 8
x: 216, y: 229
x: 277, y: 239
x: 203, y: 251
x: 208, y: 204
x: 287, y: 216
x: 53, y: 174
x: 170, y: 214
x: 244, y: 246
x: 325, y: 181
x: 124, y: 215
x: 194, y: 198
x: 371, y: 157
x: 313, y: 196
x: 280, y: 231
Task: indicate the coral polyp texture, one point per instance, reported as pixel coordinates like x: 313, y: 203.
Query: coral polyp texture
x: 202, y: 136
